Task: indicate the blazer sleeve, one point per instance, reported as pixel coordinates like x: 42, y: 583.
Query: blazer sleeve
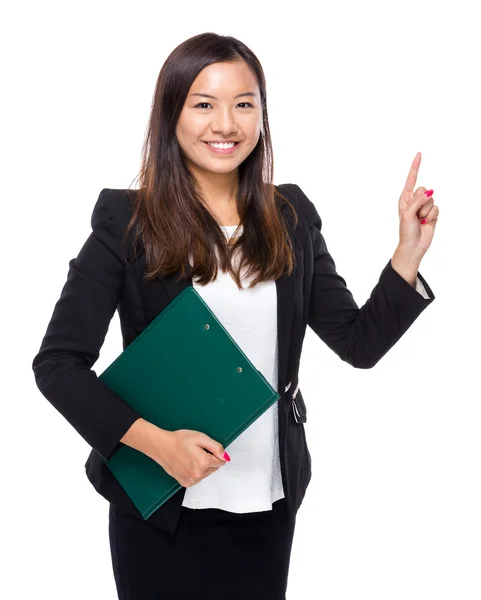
x: 76, y: 331
x: 359, y: 336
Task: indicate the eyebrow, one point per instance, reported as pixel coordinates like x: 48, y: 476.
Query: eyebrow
x: 214, y: 98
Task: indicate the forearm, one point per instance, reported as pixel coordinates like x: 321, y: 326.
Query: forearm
x: 144, y: 437
x: 406, y: 265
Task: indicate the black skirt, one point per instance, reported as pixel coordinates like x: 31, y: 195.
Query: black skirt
x: 213, y: 554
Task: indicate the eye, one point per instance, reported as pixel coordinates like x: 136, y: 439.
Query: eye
x: 208, y: 103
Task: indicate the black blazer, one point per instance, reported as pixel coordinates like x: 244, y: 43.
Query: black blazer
x: 100, y: 281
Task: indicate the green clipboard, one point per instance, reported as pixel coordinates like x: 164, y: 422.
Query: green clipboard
x: 184, y: 371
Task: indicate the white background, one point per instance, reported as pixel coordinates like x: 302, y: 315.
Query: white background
x: 355, y: 89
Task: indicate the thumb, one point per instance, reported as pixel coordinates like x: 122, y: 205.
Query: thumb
x: 418, y: 202
x: 216, y: 448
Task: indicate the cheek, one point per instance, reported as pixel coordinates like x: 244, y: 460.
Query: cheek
x: 253, y: 136
x: 255, y: 130
x: 183, y: 130
x: 187, y: 126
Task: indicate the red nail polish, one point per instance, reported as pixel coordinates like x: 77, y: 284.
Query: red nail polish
x: 423, y: 221
x: 226, y: 456
x: 428, y: 193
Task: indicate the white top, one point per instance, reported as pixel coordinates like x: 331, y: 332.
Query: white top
x: 251, y: 481
x: 421, y: 289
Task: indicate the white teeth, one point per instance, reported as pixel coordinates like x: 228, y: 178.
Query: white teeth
x: 214, y: 145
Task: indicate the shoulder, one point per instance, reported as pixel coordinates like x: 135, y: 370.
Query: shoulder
x: 112, y: 206
x: 111, y: 215
x: 304, y: 207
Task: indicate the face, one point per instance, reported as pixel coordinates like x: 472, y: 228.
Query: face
x: 227, y: 114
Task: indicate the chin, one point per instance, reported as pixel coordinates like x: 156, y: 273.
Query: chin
x: 226, y: 169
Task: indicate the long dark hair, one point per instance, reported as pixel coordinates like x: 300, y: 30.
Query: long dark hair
x: 168, y: 212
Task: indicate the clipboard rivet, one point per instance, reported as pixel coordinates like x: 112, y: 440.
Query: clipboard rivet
x: 239, y: 369
x: 206, y: 326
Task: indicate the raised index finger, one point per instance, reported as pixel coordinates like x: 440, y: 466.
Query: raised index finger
x: 413, y: 174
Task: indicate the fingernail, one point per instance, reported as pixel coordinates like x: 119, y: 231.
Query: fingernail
x: 423, y: 221
x: 226, y: 457
x: 428, y: 193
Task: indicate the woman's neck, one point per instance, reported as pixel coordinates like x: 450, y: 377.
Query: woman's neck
x: 219, y: 191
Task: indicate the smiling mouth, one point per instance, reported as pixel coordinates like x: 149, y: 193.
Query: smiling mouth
x: 227, y: 150
x: 235, y: 143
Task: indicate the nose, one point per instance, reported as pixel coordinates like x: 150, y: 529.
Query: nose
x: 224, y: 123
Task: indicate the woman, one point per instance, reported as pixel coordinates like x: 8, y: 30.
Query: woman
x: 207, y: 214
